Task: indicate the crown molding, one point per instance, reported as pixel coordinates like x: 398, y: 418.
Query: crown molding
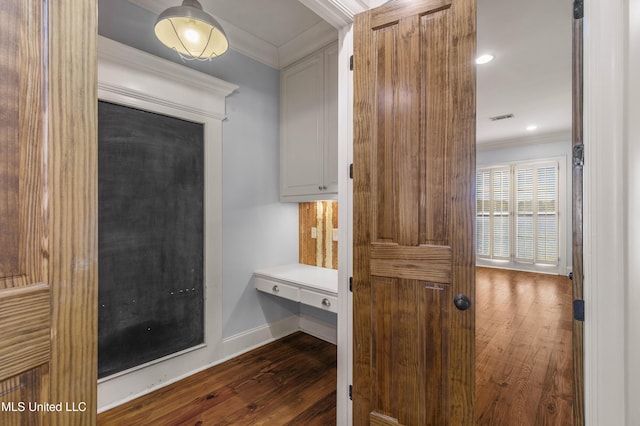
x: 306, y: 43
x: 336, y: 13
x: 250, y: 45
x: 563, y: 135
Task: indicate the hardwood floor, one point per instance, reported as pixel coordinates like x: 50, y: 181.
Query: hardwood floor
x: 523, y: 369
x: 523, y: 349
x: 289, y: 382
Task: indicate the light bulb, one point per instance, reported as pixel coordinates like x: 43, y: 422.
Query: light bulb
x: 191, y: 35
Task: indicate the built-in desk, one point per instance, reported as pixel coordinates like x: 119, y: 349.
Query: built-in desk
x: 306, y: 284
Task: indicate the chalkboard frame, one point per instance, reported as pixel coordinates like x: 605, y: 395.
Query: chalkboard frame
x: 179, y: 99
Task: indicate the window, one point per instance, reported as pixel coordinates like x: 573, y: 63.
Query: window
x: 517, y: 213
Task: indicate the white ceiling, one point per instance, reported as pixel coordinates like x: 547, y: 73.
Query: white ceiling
x: 530, y: 76
x: 275, y: 21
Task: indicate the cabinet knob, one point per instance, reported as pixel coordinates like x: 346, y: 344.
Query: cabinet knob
x: 326, y: 302
x: 320, y: 187
x: 275, y: 289
x: 324, y: 187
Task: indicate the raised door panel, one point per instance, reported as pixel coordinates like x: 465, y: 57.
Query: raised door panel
x: 302, y: 128
x: 25, y: 297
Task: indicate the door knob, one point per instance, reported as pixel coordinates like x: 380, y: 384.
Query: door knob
x: 462, y: 302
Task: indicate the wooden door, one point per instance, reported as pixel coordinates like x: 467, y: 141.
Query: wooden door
x: 414, y: 212
x: 577, y: 208
x: 48, y: 250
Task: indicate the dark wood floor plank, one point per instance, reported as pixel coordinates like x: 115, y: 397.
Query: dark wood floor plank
x: 279, y: 380
x: 320, y: 414
x: 523, y: 346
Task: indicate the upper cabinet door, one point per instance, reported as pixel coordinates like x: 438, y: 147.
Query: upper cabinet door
x: 331, y: 119
x: 309, y: 128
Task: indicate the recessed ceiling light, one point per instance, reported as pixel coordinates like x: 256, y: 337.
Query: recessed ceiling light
x: 483, y: 59
x: 531, y: 128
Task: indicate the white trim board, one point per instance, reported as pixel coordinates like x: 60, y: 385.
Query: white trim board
x: 605, y: 285
x: 344, y: 407
x: 136, y: 79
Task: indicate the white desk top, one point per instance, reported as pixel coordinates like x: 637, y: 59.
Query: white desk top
x: 304, y: 275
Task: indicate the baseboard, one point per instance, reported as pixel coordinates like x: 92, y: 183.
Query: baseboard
x: 256, y: 337
x: 318, y: 328
x: 231, y: 347
x: 246, y: 341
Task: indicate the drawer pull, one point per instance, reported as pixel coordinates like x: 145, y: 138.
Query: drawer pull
x: 326, y: 302
x: 275, y: 289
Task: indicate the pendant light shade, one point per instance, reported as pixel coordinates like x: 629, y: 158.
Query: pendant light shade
x: 191, y: 32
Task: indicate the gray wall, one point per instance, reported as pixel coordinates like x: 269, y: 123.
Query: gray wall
x: 258, y: 231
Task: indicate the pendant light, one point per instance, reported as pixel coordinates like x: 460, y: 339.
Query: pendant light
x: 191, y: 32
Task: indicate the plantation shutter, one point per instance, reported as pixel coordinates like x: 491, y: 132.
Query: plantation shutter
x: 524, y: 214
x: 500, y: 212
x: 483, y: 213
x: 547, y: 214
x: 517, y: 213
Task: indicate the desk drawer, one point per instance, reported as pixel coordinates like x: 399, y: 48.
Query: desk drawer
x: 277, y: 289
x: 322, y: 301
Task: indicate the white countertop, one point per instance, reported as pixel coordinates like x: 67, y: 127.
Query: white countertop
x: 313, y: 277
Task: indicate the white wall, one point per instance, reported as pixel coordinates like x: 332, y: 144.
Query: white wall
x: 258, y: 230
x: 551, y: 146
x: 632, y: 156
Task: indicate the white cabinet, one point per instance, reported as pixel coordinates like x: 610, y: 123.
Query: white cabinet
x: 306, y: 284
x: 278, y: 288
x: 309, y: 128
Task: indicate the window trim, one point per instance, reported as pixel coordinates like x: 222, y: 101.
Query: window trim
x: 512, y: 262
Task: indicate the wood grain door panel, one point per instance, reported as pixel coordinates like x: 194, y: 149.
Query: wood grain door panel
x: 25, y: 327
x: 19, y: 391
x: 47, y: 210
x: 21, y: 132
x: 414, y: 177
x: 409, y: 350
x: 25, y: 302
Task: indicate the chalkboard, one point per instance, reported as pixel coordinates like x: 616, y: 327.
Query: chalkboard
x: 150, y: 236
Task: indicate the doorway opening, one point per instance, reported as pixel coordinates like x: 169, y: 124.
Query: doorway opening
x: 524, y: 323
